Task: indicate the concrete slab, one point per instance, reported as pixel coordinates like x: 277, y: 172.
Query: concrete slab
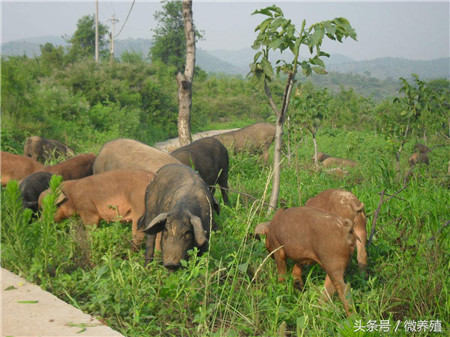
x: 27, y: 310
x: 173, y: 143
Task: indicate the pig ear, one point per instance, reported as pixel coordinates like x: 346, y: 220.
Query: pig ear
x: 61, y: 198
x: 141, y: 222
x: 200, y: 233
x: 157, y: 224
x: 262, y: 228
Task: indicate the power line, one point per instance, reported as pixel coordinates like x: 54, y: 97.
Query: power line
x: 125, y: 22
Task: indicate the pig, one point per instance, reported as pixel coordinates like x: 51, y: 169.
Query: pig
x: 254, y: 138
x: 130, y: 154
x: 321, y: 156
x: 179, y: 205
x: 332, y: 161
x: 110, y: 196
x: 308, y: 235
x: 77, y: 167
x: 419, y: 157
x: 209, y: 158
x: 15, y: 166
x: 32, y: 186
x: 42, y: 149
x: 346, y: 205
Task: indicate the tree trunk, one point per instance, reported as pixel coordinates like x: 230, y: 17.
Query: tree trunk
x: 278, y: 140
x: 184, y: 81
x: 276, y: 166
x: 316, y: 162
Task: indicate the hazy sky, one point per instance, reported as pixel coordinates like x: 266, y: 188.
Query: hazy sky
x: 416, y: 30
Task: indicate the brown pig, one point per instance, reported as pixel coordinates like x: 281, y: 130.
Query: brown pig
x: 77, y: 167
x: 15, y: 166
x: 334, y: 161
x: 346, y: 205
x: 130, y: 154
x: 110, y: 196
x: 308, y: 235
x: 42, y: 149
x: 254, y: 138
x: 32, y: 186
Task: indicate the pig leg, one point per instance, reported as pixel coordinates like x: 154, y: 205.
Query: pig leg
x: 329, y: 289
x: 361, y: 232
x: 90, y: 218
x: 280, y: 260
x: 297, y: 275
x: 335, y: 281
x: 223, y: 183
x: 150, y: 248
x: 138, y: 235
x: 265, y: 154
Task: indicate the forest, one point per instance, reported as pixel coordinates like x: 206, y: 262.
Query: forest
x: 232, y: 290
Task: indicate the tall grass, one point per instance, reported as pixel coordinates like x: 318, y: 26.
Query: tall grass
x: 232, y: 290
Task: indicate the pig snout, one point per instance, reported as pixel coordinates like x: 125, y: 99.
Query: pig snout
x: 172, y: 265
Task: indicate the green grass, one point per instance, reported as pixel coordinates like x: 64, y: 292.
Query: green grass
x: 233, y: 290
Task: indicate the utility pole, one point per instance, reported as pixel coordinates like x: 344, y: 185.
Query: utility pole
x: 113, y: 20
x: 96, y: 31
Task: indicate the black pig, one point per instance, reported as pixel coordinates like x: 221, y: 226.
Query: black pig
x: 179, y: 204
x: 210, y: 159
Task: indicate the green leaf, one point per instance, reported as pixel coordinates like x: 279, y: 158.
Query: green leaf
x: 267, y: 67
x: 27, y: 302
x: 275, y: 44
x: 319, y: 70
x: 257, y: 55
x: 316, y: 37
x: 264, y: 11
x: 243, y: 267
x: 317, y: 61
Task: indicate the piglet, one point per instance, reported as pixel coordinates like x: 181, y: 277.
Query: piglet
x: 308, y: 235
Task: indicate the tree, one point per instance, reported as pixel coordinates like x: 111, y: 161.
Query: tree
x: 416, y: 111
x: 311, y: 108
x: 51, y: 57
x: 184, y: 81
x: 278, y: 33
x: 83, y: 40
x: 169, y: 39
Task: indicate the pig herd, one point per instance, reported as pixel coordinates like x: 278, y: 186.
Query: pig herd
x: 169, y: 199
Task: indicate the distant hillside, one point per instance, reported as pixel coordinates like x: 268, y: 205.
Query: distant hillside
x: 235, y: 62
x: 206, y: 61
x: 395, y: 67
x: 243, y: 57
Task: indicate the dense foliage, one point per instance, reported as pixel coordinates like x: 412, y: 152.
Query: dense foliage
x: 232, y: 290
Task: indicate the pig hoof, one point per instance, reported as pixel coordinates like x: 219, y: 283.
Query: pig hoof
x: 298, y: 285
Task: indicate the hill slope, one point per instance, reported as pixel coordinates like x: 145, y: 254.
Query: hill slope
x: 237, y: 61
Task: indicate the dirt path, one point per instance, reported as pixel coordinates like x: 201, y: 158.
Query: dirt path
x: 173, y: 143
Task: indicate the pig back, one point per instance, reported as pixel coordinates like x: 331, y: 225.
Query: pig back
x: 15, y: 166
x: 252, y: 137
x: 342, y: 203
x: 130, y: 154
x: 74, y: 168
x: 208, y: 156
x: 307, y: 231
